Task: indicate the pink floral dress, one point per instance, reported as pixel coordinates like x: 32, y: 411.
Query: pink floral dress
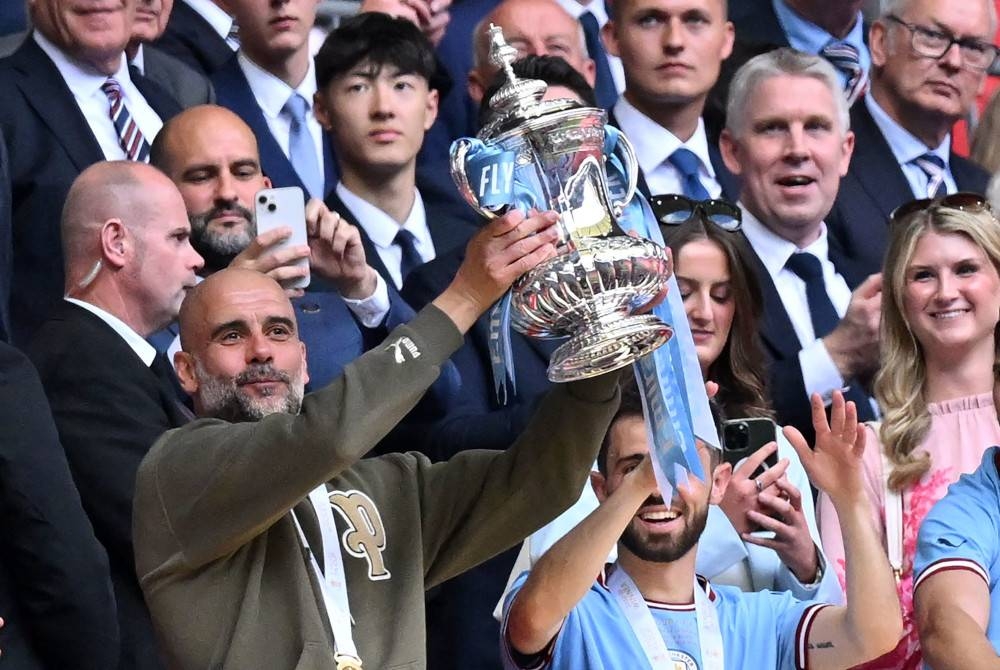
x: 961, y: 430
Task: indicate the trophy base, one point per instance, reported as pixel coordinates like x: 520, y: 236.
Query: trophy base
x: 604, y: 347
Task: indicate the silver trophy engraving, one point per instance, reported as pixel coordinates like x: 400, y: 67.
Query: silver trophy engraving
x: 592, y: 290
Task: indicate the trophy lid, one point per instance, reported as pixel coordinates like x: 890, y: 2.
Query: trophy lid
x: 518, y: 100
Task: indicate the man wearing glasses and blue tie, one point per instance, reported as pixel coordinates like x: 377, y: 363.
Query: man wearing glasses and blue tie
x: 929, y: 60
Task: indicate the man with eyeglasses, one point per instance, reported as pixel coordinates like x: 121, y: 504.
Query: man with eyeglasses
x: 929, y: 60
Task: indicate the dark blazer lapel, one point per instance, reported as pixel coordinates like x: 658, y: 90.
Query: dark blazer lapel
x: 447, y: 232
x: 874, y: 165
x: 968, y: 176
x: 45, y: 90
x: 776, y: 328
x: 729, y: 182
x: 335, y: 204
x: 331, y: 172
x: 232, y: 90
x: 846, y: 268
x: 158, y: 97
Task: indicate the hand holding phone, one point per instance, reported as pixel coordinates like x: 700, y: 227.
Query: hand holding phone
x: 284, y: 207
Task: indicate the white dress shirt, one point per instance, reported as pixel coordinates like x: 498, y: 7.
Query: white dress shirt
x: 576, y: 9
x: 85, y: 85
x: 271, y: 94
x: 819, y: 372
x: 216, y: 17
x: 906, y: 147
x: 653, y: 146
x: 382, y: 230
x: 139, y: 61
x: 143, y: 349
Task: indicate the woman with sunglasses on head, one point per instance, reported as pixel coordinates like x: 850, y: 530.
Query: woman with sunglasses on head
x: 764, y: 534
x: 765, y: 526
x: 940, y: 309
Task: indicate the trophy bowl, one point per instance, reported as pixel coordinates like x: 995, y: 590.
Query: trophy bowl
x: 593, y: 295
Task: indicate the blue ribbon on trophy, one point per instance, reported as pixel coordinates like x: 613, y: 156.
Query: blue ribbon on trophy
x: 673, y: 391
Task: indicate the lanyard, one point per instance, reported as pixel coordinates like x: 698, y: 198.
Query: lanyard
x: 644, y: 626
x: 333, y: 583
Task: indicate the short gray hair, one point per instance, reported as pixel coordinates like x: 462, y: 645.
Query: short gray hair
x: 776, y: 63
x: 899, y: 7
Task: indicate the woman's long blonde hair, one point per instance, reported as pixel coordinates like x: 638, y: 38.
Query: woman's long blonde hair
x: 900, y: 381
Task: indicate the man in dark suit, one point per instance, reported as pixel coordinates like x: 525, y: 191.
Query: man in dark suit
x: 201, y: 34
x: 187, y: 86
x: 59, y: 89
x: 55, y: 589
x: 128, y: 266
x: 270, y: 84
x: 929, y: 60
x: 668, y: 75
x: 376, y: 102
x: 211, y: 156
x: 787, y: 137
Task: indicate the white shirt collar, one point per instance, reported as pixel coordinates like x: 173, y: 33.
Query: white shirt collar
x: 657, y: 143
x: 774, y: 250
x: 904, y: 145
x: 81, y: 80
x: 220, y: 21
x: 139, y: 62
x: 576, y: 10
x: 143, y: 349
x: 272, y: 93
x: 381, y: 227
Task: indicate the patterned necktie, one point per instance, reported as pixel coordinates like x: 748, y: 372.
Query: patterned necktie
x: 411, y: 259
x: 688, y: 165
x: 301, y: 148
x: 845, y: 58
x: 821, y: 310
x: 604, y: 83
x: 933, y: 167
x: 130, y: 138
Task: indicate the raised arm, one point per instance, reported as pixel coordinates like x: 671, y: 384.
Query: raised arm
x: 871, y: 624
x: 562, y: 576
x: 953, y: 608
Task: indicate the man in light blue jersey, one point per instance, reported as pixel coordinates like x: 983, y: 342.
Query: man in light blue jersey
x: 650, y: 610
x: 956, y: 586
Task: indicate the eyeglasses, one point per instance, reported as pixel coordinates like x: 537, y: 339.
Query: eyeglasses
x: 976, y: 54
x: 673, y: 210
x: 965, y: 202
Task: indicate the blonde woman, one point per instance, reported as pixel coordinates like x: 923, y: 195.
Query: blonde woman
x: 939, y: 345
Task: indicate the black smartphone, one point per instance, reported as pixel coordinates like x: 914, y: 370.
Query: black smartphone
x: 742, y: 437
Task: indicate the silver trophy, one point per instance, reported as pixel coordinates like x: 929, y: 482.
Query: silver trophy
x: 601, y: 277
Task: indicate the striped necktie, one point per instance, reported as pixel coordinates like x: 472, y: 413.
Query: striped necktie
x: 845, y: 58
x: 933, y: 167
x: 130, y: 138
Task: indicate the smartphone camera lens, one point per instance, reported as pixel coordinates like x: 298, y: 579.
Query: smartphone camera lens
x: 740, y: 436
x: 271, y: 207
x: 262, y: 199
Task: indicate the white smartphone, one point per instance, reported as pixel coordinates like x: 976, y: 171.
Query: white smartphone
x: 277, y: 207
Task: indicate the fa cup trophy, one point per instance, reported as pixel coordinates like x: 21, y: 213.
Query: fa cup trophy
x: 551, y: 155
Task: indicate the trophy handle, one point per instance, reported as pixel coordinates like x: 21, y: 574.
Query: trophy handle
x: 457, y: 156
x: 630, y: 162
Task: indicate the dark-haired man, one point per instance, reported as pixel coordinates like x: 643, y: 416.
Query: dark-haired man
x: 377, y: 96
x: 650, y: 609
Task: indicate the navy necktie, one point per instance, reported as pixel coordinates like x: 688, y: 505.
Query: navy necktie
x: 411, y: 258
x: 689, y: 166
x: 822, y: 313
x: 604, y: 83
x: 933, y: 167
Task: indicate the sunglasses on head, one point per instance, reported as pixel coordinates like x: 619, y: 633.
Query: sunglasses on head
x: 965, y: 202
x: 673, y: 210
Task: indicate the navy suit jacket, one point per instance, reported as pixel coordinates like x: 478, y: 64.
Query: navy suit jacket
x: 448, y: 231
x: 233, y: 92
x: 48, y: 143
x: 109, y: 408
x: 729, y: 182
x: 874, y: 186
x: 781, y: 346
x: 6, y: 244
x: 757, y: 23
x: 192, y: 39
x: 55, y: 587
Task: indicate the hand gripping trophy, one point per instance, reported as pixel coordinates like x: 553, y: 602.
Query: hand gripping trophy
x: 553, y: 155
